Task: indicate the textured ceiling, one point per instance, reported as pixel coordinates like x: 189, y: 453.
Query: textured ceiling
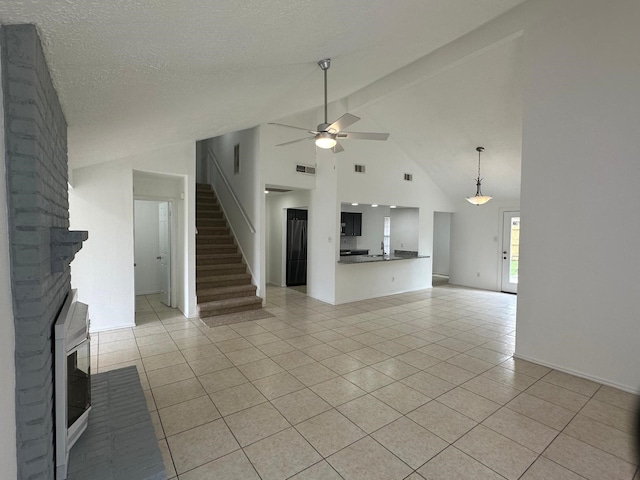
x: 137, y: 75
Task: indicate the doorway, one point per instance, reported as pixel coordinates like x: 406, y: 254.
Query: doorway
x: 296, y: 259
x: 152, y: 248
x: 510, y: 251
x: 441, y: 248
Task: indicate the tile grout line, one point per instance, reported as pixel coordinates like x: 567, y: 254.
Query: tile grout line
x: 407, y: 320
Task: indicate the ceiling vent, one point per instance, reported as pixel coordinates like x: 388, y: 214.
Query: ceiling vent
x: 359, y: 168
x: 308, y: 169
x: 408, y: 177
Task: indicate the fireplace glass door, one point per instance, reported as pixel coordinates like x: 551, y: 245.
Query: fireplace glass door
x: 78, y: 382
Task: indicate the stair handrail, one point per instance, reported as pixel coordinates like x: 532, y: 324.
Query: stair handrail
x: 212, y: 159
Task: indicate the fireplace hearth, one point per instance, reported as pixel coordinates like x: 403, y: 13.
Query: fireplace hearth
x: 72, y: 378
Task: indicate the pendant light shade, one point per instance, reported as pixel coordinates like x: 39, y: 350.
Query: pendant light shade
x: 479, y: 199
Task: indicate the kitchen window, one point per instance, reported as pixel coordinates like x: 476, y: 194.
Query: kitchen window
x: 387, y: 235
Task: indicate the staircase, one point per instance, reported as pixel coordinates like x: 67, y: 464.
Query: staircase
x: 223, y: 285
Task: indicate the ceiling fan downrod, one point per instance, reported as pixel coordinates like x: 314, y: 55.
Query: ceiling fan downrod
x: 324, y: 65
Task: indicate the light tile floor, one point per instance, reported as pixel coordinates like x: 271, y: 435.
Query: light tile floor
x: 415, y: 386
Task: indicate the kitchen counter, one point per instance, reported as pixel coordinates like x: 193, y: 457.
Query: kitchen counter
x: 345, y: 260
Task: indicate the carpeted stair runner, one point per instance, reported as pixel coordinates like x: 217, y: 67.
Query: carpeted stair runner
x: 223, y: 286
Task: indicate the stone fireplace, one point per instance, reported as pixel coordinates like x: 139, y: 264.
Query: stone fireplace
x: 40, y: 243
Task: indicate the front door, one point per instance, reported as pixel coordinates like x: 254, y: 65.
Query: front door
x: 510, y: 251
x: 164, y: 236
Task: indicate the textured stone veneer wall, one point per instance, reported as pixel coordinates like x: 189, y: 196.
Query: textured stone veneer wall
x: 36, y: 157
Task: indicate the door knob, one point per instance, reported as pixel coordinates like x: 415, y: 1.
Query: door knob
x: 158, y: 258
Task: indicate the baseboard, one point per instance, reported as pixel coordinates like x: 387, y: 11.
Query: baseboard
x: 603, y: 381
x: 110, y: 328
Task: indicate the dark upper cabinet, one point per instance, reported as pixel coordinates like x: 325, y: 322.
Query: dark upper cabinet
x: 350, y: 224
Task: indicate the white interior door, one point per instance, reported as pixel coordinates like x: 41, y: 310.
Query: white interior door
x: 146, y: 248
x: 510, y: 251
x: 164, y: 237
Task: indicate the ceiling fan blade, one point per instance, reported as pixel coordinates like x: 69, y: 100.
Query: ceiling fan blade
x: 289, y: 126
x: 337, y: 148
x: 363, y: 136
x: 343, y: 122
x: 295, y: 141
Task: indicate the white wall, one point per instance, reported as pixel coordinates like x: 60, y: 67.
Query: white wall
x: 8, y: 453
x: 384, y: 184
x: 579, y: 265
x: 276, y: 206
x: 147, y: 247
x: 248, y: 187
x: 102, y: 203
x: 279, y: 163
x: 405, y: 229
x: 441, y: 242
x: 334, y: 183
x: 324, y: 233
x: 476, y: 243
x: 377, y: 279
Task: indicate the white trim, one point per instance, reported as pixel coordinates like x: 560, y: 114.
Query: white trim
x: 576, y: 373
x: 112, y: 328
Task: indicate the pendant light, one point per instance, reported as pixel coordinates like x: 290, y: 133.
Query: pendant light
x: 479, y: 199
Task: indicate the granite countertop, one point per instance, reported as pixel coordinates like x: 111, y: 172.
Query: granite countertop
x: 376, y: 258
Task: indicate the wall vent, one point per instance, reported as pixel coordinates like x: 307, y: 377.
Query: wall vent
x: 359, y: 168
x: 408, y: 177
x: 308, y: 169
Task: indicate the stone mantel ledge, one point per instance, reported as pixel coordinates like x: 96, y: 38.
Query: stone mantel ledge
x: 64, y: 245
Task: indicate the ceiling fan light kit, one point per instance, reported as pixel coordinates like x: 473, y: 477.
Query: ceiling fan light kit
x: 325, y: 140
x: 327, y: 134
x: 479, y: 199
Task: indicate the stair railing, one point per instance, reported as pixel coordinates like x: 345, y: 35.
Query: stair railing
x: 211, y: 158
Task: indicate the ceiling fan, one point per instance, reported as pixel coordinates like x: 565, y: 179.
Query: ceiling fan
x: 328, y: 134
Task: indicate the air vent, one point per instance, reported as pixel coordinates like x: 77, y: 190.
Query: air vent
x: 408, y: 177
x: 308, y: 169
x: 359, y: 168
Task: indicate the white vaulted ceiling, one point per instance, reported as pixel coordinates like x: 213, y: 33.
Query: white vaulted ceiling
x: 137, y: 75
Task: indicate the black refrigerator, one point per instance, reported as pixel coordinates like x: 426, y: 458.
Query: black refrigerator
x: 296, y: 247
